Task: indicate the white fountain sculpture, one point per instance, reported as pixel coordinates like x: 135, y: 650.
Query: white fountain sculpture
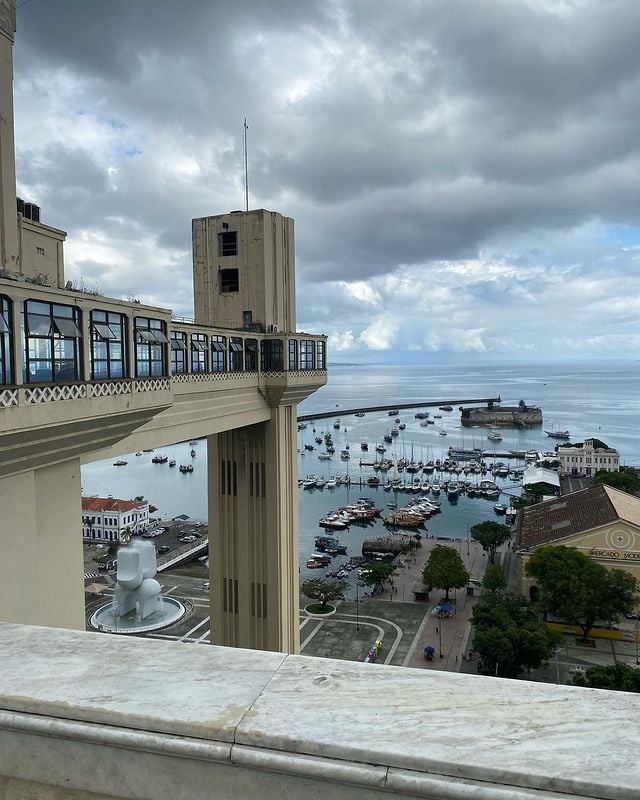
x: 136, y: 587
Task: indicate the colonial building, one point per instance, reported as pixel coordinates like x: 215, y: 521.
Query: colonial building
x: 107, y: 518
x: 587, y: 458
x: 602, y: 522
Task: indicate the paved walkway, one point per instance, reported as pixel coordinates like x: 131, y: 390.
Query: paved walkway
x: 405, y: 625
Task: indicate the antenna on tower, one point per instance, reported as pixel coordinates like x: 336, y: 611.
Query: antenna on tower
x: 246, y: 168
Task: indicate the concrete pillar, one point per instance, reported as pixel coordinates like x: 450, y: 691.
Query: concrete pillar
x: 41, y: 567
x: 253, y: 535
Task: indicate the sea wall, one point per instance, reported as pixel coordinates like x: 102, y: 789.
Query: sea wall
x: 513, y: 417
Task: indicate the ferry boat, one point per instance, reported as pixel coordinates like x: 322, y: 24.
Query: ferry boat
x: 558, y: 434
x: 159, y: 459
x: 119, y: 463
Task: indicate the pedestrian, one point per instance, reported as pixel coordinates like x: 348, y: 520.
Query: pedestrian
x: 456, y: 659
x: 391, y: 598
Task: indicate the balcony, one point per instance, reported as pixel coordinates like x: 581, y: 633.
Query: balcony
x: 80, y: 373
x: 137, y: 718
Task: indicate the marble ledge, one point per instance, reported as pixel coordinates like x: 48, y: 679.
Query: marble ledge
x: 402, y: 731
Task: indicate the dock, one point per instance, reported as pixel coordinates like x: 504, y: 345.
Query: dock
x: 339, y: 412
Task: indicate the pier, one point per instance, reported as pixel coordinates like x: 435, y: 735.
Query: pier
x: 400, y: 406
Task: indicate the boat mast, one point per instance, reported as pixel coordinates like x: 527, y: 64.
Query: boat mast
x: 246, y: 168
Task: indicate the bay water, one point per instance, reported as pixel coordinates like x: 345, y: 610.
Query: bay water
x: 600, y: 399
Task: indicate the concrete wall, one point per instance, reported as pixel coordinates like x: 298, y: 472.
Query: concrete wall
x: 41, y: 567
x: 265, y: 262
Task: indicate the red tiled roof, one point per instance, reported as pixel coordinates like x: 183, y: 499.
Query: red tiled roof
x: 568, y: 515
x: 109, y: 504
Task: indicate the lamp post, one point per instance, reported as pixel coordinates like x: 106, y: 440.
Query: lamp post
x: 440, y: 636
x: 357, y: 607
x: 467, y: 538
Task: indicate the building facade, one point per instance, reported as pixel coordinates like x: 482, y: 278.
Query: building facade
x: 106, y: 519
x: 601, y: 522
x: 587, y: 458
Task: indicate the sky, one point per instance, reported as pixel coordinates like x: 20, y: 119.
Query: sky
x: 464, y: 175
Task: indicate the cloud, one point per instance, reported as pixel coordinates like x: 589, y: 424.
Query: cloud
x: 464, y: 176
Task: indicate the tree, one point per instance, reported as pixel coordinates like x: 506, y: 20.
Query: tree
x: 627, y: 479
x: 618, y: 677
x: 490, y: 535
x: 578, y: 590
x: 324, y: 591
x: 494, y: 578
x: 377, y: 573
x: 509, y: 635
x: 445, y: 569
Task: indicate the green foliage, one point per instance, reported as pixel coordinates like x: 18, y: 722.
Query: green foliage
x: 445, y: 569
x: 537, y: 490
x: 113, y: 549
x: 490, y: 535
x: 520, y: 502
x: 627, y: 480
x: 323, y: 590
x: 618, y: 677
x: 377, y: 573
x: 578, y: 590
x: 509, y: 636
x: 494, y: 578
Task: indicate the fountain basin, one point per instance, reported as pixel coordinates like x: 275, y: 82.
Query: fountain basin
x: 106, y: 619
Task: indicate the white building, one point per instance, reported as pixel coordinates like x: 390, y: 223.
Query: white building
x: 107, y: 518
x: 586, y: 458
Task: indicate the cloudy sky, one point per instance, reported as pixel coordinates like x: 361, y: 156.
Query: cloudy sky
x: 464, y: 174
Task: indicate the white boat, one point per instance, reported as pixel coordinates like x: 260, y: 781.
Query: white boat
x: 495, y: 436
x: 331, y: 483
x: 324, y: 456
x: 443, y: 433
x: 558, y: 434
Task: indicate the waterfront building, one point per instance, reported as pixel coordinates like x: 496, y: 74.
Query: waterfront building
x: 506, y: 416
x: 587, y: 457
x: 540, y: 476
x: 85, y: 377
x: 601, y: 522
x: 106, y: 519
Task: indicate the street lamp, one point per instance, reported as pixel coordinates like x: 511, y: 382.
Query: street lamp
x: 440, y: 637
x: 357, y: 607
x: 467, y: 538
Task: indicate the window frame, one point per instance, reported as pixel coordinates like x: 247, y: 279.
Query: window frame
x: 218, y: 353
x: 178, y: 342
x: 199, y: 354
x: 109, y: 332
x: 236, y: 354
x: 307, y: 354
x: 151, y: 347
x: 6, y: 341
x: 59, y: 339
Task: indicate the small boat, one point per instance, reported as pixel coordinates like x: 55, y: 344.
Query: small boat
x: 380, y: 448
x: 336, y: 425
x: 193, y: 454
x: 445, y: 408
x: 159, y: 459
x: 500, y: 508
x: 324, y: 456
x: 186, y: 468
x: 193, y: 442
x: 148, y: 450
x: 172, y: 463
x: 495, y: 436
x: 364, y: 445
x: 393, y: 412
x: 359, y: 414
x: 119, y: 463
x: 139, y: 453
x: 443, y: 433
x: 309, y: 447
x: 402, y: 426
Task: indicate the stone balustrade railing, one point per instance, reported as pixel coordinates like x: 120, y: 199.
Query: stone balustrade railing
x: 86, y: 714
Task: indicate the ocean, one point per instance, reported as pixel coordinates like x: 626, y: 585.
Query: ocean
x: 600, y: 399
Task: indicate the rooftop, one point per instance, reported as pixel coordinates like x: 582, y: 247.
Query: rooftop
x: 110, y: 504
x: 576, y: 513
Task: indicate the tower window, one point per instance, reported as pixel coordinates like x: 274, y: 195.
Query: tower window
x: 229, y: 281
x: 228, y: 243
x: 40, y: 251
